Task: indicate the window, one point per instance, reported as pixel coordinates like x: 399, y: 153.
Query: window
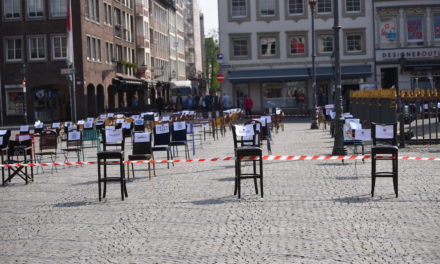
x: 238, y: 8
x: 387, y: 32
x: 325, y: 43
x: 118, y: 22
x: 415, y: 28
x: 296, y: 7
x: 92, y: 10
x: 240, y: 46
x: 109, y: 52
x: 37, y: 48
x: 268, y: 46
x: 58, y: 8
x: 12, y: 8
x: 35, y: 8
x: 267, y: 7
x: 354, y: 42
x: 93, y: 49
x: 437, y: 27
x: 324, y: 6
x: 59, y: 50
x: 297, y: 45
x: 107, y: 14
x: 13, y: 49
x: 353, y: 6
x: 14, y: 101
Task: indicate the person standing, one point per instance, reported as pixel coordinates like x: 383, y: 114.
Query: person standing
x: 226, y: 101
x: 189, y: 102
x: 160, y: 104
x: 179, y: 102
x: 248, y: 104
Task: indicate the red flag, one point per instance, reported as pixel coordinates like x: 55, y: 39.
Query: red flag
x: 69, y: 35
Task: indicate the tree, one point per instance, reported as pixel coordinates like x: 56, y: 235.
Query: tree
x: 212, y: 67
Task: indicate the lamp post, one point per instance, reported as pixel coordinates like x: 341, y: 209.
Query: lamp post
x: 338, y: 147
x: 23, y: 84
x: 314, y: 125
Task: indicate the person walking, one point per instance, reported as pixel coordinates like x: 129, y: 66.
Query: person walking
x: 189, y: 102
x: 248, y: 104
x: 226, y: 101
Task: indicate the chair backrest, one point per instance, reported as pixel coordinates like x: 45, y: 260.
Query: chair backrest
x: 90, y: 135
x: 74, y: 138
x: 16, y: 148
x: 259, y: 131
x: 114, y: 138
x: 161, y: 134
x: 178, y: 131
x: 48, y: 140
x: 245, y: 135
x: 88, y: 125
x: 385, y: 133
x: 24, y: 129
x: 141, y: 143
x: 4, y: 138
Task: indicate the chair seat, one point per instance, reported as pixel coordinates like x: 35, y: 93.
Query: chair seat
x: 45, y: 153
x: 382, y: 149
x: 353, y: 142
x: 160, y: 148
x: 71, y: 149
x: 140, y: 157
x: 178, y: 143
x: 248, y: 151
x: 110, y: 179
x: 113, y: 154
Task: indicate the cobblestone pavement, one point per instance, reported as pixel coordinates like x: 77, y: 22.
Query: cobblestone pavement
x: 312, y: 212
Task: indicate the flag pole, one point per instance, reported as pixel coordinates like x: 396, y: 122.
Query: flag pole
x: 71, y: 63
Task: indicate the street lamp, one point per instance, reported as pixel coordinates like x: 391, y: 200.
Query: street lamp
x: 23, y: 84
x: 338, y: 147
x: 314, y: 125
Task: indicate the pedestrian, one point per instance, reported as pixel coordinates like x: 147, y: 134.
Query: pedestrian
x: 179, y: 102
x: 160, y: 104
x: 226, y: 101
x: 248, y: 104
x: 300, y: 98
x: 189, y: 102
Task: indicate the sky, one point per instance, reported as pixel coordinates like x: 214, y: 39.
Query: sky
x: 210, y: 12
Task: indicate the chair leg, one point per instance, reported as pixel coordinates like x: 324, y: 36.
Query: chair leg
x: 99, y: 179
x: 261, y: 176
x: 149, y: 171
x: 239, y: 178
x: 121, y: 171
x: 395, y: 177
x: 105, y: 177
x: 132, y: 169
x: 236, y: 178
x: 373, y: 174
x: 254, y: 164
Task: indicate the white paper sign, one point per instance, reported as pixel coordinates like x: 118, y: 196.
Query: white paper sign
x: 103, y: 116
x: 119, y: 121
x: 278, y: 111
x: 67, y: 124
x: 347, y: 115
x: 135, y: 117
x: 438, y: 105
x: 38, y: 124
x: 56, y: 125
x: 113, y: 136
x: 244, y: 131
x: 162, y: 129
x: 3, y: 132
x: 119, y: 116
x: 110, y: 114
x: 329, y: 106
x: 209, y: 115
x: 332, y: 115
x: 110, y: 128
x: 99, y: 122
x: 90, y: 119
x: 362, y: 134
x: 126, y: 125
x: 348, y: 132
x: 1, y: 141
x: 353, y: 123
x: 156, y: 118
x: 139, y: 122
x: 267, y: 118
x: 425, y: 106
x: 71, y: 128
x: 177, y: 126
x: 81, y: 122
x: 270, y: 110
x: 74, y: 136
x: 141, y: 137
x: 205, y: 125
x: 88, y: 124
x: 384, y: 131
x: 24, y: 128
x: 166, y: 118
x: 262, y: 121
x: 23, y: 137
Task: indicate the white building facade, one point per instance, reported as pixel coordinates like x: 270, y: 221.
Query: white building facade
x: 407, y: 39
x: 266, y: 50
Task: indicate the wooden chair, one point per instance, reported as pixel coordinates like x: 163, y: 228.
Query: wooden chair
x: 4, y: 142
x: 19, y: 152
x: 48, y: 147
x: 247, y: 144
x: 73, y: 144
x: 387, y: 135
x: 142, y: 150
x: 161, y: 135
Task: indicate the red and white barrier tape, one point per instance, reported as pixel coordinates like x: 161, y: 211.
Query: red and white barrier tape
x: 281, y: 158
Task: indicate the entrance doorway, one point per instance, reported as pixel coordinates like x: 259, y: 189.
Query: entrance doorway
x: 389, y: 78
x: 51, y: 103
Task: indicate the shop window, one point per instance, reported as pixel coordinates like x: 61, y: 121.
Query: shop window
x: 437, y: 28
x: 387, y: 32
x: 415, y: 31
x: 297, y: 45
x: 289, y: 94
x: 14, y: 102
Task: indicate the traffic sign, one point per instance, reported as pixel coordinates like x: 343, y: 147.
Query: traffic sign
x: 66, y: 71
x: 220, y: 58
x: 220, y: 77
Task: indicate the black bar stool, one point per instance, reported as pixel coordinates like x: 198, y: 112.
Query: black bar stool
x: 249, y: 146
x: 105, y: 158
x: 387, y: 135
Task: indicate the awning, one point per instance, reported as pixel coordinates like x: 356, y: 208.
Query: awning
x: 421, y: 65
x: 322, y: 73
x: 122, y: 81
x: 268, y: 75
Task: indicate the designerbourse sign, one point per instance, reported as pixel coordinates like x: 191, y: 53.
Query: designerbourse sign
x: 414, y: 53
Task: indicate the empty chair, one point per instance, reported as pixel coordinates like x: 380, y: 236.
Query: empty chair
x: 139, y: 125
x: 349, y: 128
x: 387, y: 135
x: 141, y: 151
x: 92, y: 136
x: 48, y: 146
x: 19, y: 152
x: 73, y: 144
x: 161, y: 134
x: 246, y: 143
x: 4, y: 142
x: 38, y: 127
x: 178, y: 137
x: 112, y: 139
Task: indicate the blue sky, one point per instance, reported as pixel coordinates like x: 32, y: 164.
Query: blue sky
x: 210, y: 11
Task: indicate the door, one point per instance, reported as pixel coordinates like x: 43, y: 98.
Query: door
x: 389, y: 78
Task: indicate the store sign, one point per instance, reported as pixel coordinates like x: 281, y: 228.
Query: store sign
x: 396, y: 54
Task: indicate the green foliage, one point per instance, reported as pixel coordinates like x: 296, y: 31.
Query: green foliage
x: 212, y: 48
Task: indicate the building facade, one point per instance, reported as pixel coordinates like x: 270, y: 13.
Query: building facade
x: 407, y: 40
x: 193, y: 40
x: 266, y: 50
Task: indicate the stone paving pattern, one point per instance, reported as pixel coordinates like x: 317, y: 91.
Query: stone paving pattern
x: 312, y: 212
